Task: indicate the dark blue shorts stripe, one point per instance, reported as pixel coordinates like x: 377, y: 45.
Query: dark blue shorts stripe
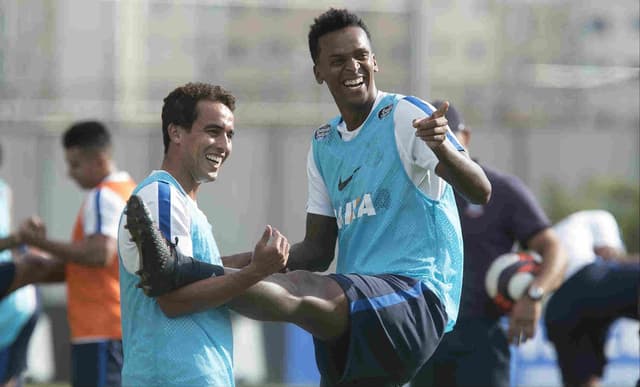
x: 387, y: 300
x: 96, y: 364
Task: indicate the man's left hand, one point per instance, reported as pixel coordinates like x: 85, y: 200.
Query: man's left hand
x: 433, y: 130
x: 523, y: 319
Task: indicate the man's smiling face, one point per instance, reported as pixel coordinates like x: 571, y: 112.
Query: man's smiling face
x: 345, y: 62
x: 209, y: 142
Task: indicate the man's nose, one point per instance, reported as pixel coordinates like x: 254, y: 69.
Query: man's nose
x: 353, y: 64
x: 223, y: 142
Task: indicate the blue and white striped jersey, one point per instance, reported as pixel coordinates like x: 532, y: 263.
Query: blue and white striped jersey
x: 192, y: 350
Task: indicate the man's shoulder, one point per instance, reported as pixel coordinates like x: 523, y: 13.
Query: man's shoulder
x: 159, y: 180
x: 411, y: 102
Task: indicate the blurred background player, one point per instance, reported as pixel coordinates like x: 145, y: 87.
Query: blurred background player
x: 88, y: 263
x: 601, y: 285
x: 476, y: 352
x: 19, y: 310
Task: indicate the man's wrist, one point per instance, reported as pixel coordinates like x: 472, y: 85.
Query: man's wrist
x: 535, y: 293
x: 14, y: 240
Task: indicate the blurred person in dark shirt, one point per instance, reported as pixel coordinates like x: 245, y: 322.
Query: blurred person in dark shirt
x: 476, y: 352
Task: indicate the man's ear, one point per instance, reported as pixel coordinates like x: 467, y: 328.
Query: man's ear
x: 375, y: 63
x: 175, y: 134
x: 317, y: 75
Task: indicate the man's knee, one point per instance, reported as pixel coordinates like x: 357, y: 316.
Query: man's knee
x: 314, y: 285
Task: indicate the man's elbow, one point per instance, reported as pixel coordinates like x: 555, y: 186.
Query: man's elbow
x: 169, y: 309
x: 321, y: 266
x: 486, y: 193
x: 322, y: 259
x: 480, y: 195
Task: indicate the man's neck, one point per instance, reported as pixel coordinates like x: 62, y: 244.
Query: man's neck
x: 186, y: 181
x: 105, y: 173
x: 354, y: 117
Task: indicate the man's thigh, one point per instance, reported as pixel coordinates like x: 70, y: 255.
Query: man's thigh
x: 601, y: 290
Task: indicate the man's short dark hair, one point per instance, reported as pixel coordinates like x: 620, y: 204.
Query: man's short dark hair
x: 332, y: 20
x: 87, y: 134
x: 180, y: 105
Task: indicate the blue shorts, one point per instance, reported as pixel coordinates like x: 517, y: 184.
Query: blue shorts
x: 396, y: 323
x: 96, y: 364
x: 13, y: 359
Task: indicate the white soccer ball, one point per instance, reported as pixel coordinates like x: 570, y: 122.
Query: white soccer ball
x: 510, y: 275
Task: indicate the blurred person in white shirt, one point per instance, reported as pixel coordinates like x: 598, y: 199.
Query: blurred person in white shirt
x: 601, y: 285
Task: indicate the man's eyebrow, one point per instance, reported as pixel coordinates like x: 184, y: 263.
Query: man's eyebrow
x: 359, y: 50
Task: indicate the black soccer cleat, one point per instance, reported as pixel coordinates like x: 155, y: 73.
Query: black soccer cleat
x: 157, y: 256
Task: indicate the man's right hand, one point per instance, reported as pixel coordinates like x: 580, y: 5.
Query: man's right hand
x: 32, y: 230
x: 271, y: 253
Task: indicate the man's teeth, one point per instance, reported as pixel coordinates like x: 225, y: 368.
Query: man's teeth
x: 354, y: 82
x: 215, y: 159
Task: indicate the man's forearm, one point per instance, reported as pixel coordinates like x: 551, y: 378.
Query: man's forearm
x: 236, y: 261
x: 11, y: 241
x: 208, y: 293
x: 464, y: 175
x: 554, y: 260
x: 96, y: 250
x: 34, y: 269
x: 304, y: 257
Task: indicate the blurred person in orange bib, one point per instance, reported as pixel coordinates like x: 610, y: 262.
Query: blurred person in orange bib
x: 88, y: 263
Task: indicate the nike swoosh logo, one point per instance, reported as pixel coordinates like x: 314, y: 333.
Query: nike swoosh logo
x: 343, y: 184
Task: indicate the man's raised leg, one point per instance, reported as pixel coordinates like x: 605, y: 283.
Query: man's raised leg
x: 314, y: 302
x: 29, y: 269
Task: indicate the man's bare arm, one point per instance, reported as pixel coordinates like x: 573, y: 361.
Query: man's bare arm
x: 454, y: 165
x: 269, y: 256
x: 32, y: 268
x: 9, y: 242
x: 317, y: 249
x: 95, y: 250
